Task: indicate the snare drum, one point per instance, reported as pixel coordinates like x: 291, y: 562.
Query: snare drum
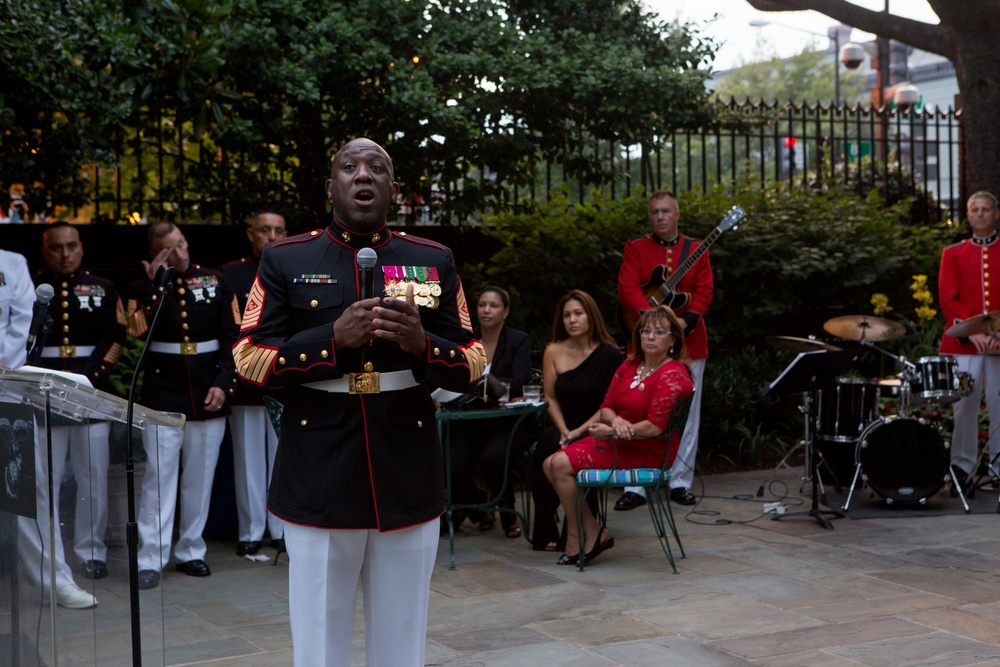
x: 902, y: 459
x: 935, y: 380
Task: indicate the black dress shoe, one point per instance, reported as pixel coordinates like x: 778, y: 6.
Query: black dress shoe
x: 148, y: 579
x: 629, y: 501
x: 682, y: 496
x: 194, y: 568
x: 248, y: 548
x: 95, y: 569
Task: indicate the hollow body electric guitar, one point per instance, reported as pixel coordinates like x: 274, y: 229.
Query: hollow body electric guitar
x: 661, y: 289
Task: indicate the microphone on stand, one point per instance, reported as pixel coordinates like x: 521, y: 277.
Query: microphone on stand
x: 39, y: 312
x: 366, y: 272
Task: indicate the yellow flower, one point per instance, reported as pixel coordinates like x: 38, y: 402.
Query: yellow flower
x: 880, y: 302
x: 925, y: 314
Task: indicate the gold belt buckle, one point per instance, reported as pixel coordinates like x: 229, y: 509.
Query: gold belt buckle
x: 67, y: 351
x: 363, y: 383
x: 189, y: 348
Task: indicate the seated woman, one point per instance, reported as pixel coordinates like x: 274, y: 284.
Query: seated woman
x: 577, y: 368
x: 635, y: 411
x: 482, y: 445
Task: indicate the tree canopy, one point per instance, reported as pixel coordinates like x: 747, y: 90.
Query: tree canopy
x: 472, y: 92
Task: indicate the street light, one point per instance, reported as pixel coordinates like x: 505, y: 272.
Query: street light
x: 760, y: 23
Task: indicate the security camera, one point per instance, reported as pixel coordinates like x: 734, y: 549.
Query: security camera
x: 852, y: 55
x: 907, y: 96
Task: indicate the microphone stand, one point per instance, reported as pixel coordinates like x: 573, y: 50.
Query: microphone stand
x: 35, y: 353
x: 163, y: 278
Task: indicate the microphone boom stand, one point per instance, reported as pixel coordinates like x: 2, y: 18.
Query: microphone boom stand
x: 162, y: 279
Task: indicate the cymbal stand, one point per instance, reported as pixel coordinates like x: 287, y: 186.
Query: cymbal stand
x: 805, y: 409
x: 811, y: 470
x: 983, y: 479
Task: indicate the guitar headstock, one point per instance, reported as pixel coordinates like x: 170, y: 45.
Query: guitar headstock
x: 732, y: 219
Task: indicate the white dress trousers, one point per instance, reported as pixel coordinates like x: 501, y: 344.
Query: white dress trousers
x: 199, y: 443
x: 254, y: 445
x: 985, y: 371
x: 90, y: 457
x: 33, y: 542
x: 394, y: 569
x: 682, y: 472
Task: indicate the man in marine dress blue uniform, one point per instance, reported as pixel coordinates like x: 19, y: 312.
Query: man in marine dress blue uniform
x: 87, y: 338
x: 190, y: 371
x: 254, y: 439
x: 358, y: 476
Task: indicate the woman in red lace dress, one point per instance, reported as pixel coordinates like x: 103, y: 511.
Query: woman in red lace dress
x: 635, y: 411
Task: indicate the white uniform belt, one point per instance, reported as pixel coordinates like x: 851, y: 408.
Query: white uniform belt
x: 366, y: 383
x: 200, y: 347
x: 67, y: 351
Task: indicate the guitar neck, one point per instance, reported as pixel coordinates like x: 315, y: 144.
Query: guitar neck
x: 676, y: 276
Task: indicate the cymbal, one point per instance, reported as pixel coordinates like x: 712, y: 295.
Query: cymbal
x: 980, y: 324
x: 793, y: 344
x: 867, y: 327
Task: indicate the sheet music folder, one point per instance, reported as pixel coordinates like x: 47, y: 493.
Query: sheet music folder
x: 810, y: 370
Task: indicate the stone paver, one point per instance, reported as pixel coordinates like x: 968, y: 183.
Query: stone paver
x: 903, y: 589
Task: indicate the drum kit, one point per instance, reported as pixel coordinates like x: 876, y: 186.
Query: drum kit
x: 902, y: 458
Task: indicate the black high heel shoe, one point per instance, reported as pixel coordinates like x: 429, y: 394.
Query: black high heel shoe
x: 598, y: 548
x: 566, y: 559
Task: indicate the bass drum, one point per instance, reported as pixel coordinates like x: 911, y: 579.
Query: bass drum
x: 902, y: 460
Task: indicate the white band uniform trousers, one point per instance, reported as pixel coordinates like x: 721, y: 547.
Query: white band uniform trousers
x: 394, y: 569
x: 199, y: 444
x: 985, y: 371
x: 254, y: 445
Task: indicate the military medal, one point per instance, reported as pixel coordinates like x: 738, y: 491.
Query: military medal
x: 425, y: 281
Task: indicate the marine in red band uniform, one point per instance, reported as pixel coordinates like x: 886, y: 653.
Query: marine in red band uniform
x: 87, y: 338
x: 969, y: 285
x: 188, y: 370
x: 666, y: 247
x: 254, y: 439
x: 358, y: 477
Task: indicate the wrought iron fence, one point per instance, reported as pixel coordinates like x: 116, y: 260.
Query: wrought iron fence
x: 898, y: 152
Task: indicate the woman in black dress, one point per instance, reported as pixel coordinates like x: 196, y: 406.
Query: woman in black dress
x: 577, y: 368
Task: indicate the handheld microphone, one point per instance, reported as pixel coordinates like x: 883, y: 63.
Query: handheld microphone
x: 366, y: 272
x: 39, y: 311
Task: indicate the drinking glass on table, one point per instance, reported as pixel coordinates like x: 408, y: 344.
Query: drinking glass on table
x: 533, y: 393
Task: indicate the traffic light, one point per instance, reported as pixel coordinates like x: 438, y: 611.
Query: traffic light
x: 787, y: 162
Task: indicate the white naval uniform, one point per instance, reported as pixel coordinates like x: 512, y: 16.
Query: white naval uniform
x: 17, y: 294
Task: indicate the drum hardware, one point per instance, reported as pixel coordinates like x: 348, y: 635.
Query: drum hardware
x: 807, y: 372
x: 983, y: 479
